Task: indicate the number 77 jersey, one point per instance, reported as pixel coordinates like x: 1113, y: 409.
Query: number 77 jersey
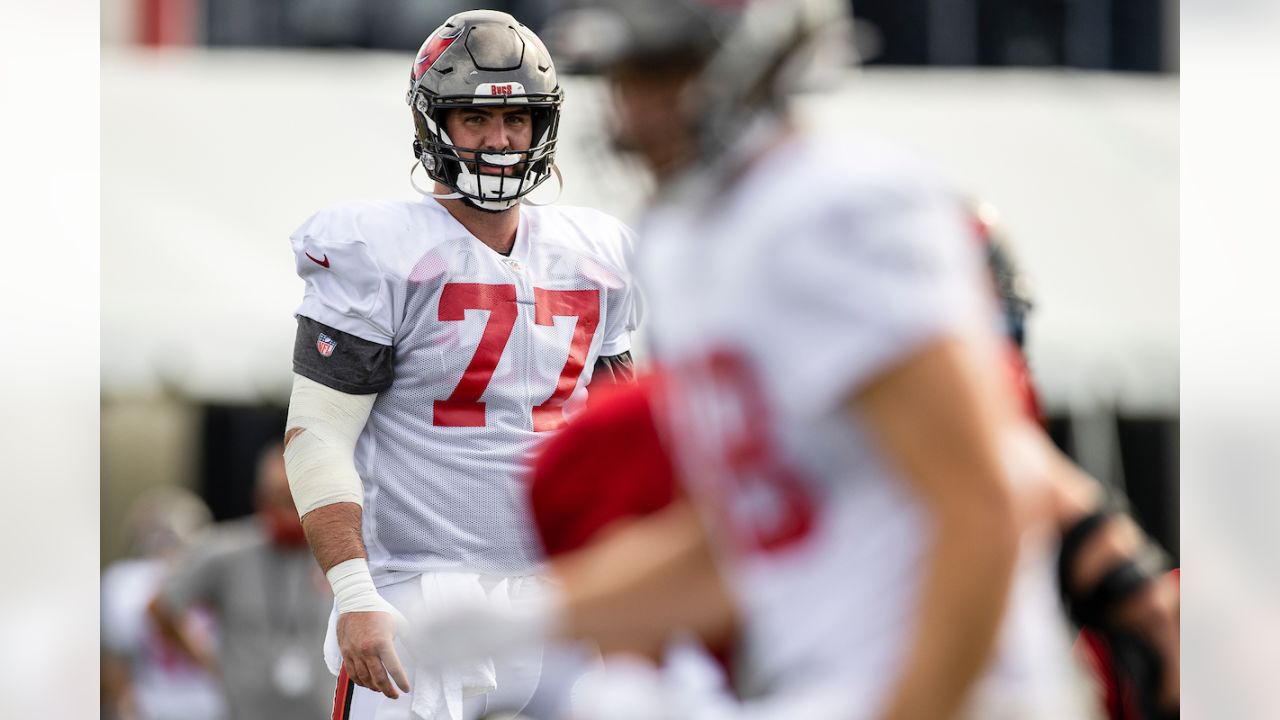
x: 474, y: 355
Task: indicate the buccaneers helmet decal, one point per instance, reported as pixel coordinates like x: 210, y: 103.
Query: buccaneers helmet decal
x: 432, y: 49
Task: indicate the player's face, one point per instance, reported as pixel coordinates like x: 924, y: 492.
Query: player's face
x: 645, y: 124
x: 491, y: 128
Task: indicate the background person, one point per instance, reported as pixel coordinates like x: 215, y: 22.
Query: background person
x: 270, y: 602
x: 146, y: 676
x: 437, y: 343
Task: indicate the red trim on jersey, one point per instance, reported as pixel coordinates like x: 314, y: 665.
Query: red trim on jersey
x: 342, y: 696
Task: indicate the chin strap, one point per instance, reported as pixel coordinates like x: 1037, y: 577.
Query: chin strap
x: 559, y: 190
x: 446, y: 196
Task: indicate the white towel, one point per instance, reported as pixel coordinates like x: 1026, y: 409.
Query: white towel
x: 439, y: 695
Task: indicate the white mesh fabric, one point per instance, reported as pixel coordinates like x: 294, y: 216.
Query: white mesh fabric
x: 441, y: 493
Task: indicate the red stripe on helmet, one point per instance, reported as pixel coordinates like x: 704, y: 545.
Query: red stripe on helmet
x: 431, y: 51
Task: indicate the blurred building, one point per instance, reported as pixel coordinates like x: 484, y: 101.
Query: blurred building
x: 1123, y: 35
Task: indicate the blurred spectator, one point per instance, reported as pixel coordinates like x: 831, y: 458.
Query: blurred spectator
x: 271, y: 603
x: 144, y: 676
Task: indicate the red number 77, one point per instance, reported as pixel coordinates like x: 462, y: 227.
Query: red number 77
x: 463, y: 407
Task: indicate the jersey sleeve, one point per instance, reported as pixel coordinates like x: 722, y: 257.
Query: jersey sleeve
x: 624, y: 307
x: 346, y: 288
x: 860, y: 288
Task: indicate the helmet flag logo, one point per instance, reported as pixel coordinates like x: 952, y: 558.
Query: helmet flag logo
x: 431, y: 51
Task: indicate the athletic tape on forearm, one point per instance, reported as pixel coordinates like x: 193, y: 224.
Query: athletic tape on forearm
x: 320, y: 460
x: 353, y: 589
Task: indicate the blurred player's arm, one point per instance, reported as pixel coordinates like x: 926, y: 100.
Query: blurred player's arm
x: 1111, y: 536
x: 173, y: 628
x: 195, y: 579
x: 627, y: 591
x: 332, y: 399
x: 937, y: 419
x: 639, y: 581
x: 1112, y: 575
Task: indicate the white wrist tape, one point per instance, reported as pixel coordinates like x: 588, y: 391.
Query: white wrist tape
x: 353, y: 589
x: 320, y: 460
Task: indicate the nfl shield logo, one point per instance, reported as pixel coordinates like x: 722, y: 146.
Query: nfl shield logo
x: 325, y: 344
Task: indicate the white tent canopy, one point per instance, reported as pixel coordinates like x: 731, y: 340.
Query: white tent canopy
x: 211, y: 159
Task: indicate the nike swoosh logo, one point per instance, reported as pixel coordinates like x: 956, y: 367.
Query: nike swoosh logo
x: 322, y: 263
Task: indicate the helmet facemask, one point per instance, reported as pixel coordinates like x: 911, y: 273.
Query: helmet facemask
x: 447, y: 163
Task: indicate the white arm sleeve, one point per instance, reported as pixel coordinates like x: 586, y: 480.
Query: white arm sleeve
x: 320, y: 460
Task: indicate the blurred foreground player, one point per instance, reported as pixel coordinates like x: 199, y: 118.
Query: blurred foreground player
x: 437, y: 342
x: 858, y: 470
x: 619, y: 440
x: 1109, y: 572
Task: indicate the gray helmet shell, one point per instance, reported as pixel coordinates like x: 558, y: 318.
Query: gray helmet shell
x: 484, y: 57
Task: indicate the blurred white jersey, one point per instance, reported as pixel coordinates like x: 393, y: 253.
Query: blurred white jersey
x: 167, y: 685
x: 828, y: 263
x: 487, y: 350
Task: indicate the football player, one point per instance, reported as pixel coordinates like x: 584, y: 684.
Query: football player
x: 834, y: 399
x: 1108, y: 570
x: 437, y: 341
x: 1131, y: 633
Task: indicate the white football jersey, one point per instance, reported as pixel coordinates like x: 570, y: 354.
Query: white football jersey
x: 488, y: 351
x: 828, y: 263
